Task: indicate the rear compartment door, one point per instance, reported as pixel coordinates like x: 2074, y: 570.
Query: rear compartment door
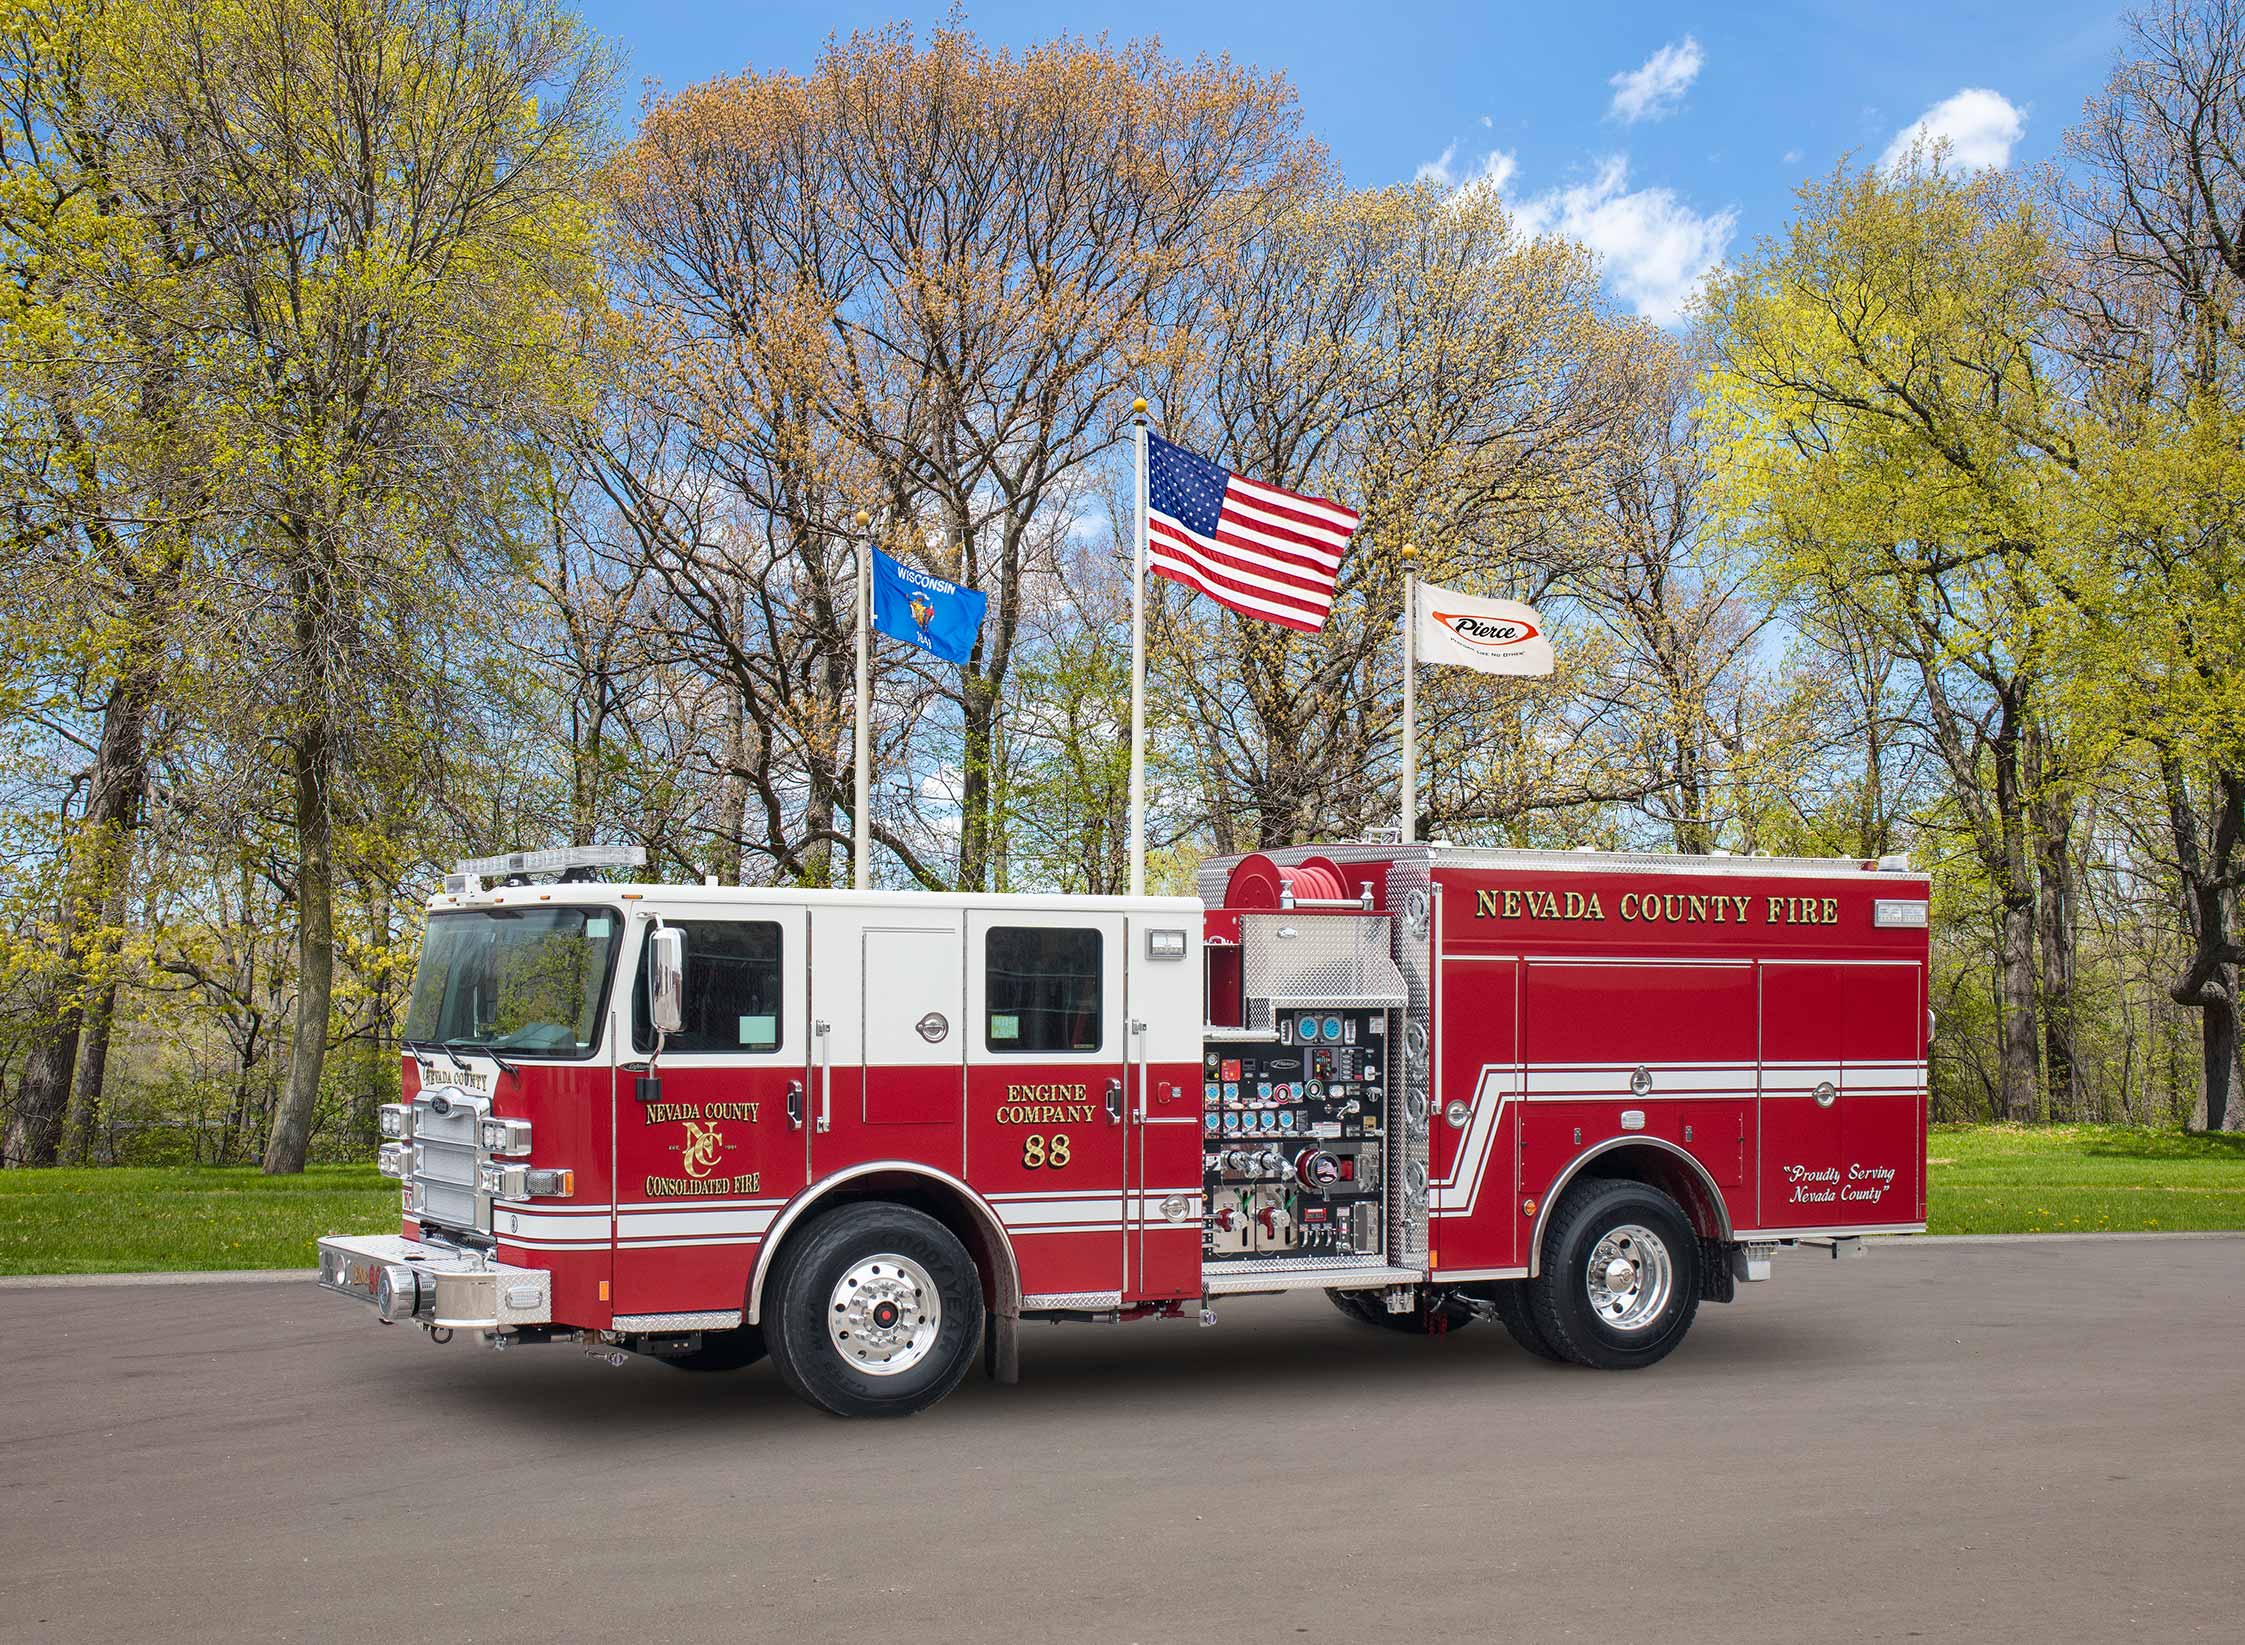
x: 1164, y: 1100
x: 1473, y: 1142
x: 1843, y: 1082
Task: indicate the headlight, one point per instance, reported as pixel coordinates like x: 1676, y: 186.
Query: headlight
x: 391, y: 1162
x: 395, y: 1119
x: 506, y: 1136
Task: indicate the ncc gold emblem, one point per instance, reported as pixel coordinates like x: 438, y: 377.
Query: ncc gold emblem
x: 699, y: 1153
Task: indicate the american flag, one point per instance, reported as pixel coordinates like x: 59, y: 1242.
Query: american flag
x: 1263, y: 552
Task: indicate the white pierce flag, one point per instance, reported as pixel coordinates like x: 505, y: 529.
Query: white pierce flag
x: 1494, y: 636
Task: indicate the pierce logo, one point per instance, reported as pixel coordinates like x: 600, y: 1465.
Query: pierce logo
x: 1486, y: 633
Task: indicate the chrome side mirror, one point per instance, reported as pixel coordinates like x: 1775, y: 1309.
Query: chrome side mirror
x: 666, y: 981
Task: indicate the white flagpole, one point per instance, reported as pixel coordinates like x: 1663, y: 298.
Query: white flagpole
x: 1138, y: 662
x: 1410, y: 694
x: 861, y: 844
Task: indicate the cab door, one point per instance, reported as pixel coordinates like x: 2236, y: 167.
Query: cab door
x: 1048, y: 1124
x: 888, y: 1038
x: 708, y: 1151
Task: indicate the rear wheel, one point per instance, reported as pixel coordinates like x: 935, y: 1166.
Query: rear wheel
x: 877, y: 1311
x: 1619, y: 1280
x: 1371, y: 1308
x: 722, y: 1351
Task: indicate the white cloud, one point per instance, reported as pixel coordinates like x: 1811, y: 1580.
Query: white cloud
x: 1494, y: 171
x: 1655, y: 247
x: 1653, y: 91
x: 1977, y: 125
x: 1792, y: 157
x: 1438, y: 170
x: 1487, y: 122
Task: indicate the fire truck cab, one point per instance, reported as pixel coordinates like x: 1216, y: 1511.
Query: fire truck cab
x: 869, y: 1133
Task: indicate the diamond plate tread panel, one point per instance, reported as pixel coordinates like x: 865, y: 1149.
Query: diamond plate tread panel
x: 1076, y: 1301
x: 720, y: 1319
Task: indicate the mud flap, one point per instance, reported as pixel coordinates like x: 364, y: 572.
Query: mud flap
x: 1716, y: 1282
x: 1001, y: 1347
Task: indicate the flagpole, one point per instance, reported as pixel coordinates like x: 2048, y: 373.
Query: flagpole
x: 1410, y: 828
x: 861, y: 844
x: 1138, y: 660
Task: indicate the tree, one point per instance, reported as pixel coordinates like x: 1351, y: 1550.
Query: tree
x: 108, y: 473
x: 2157, y: 210
x: 390, y: 194
x: 918, y: 280
x: 1892, y: 435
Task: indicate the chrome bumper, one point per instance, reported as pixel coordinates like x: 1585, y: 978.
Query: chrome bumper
x: 405, y: 1279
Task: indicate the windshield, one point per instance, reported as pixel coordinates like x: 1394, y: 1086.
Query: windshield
x: 528, y: 980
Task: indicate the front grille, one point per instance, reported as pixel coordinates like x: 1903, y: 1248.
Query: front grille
x: 448, y: 1159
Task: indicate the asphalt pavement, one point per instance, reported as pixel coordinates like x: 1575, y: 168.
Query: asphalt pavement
x: 1975, y: 1442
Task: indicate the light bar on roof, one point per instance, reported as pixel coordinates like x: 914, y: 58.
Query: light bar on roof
x: 559, y: 860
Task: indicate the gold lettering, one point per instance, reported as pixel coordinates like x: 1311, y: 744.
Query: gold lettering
x: 1831, y: 910
x: 1511, y: 903
x: 731, y: 1111
x: 1776, y: 910
x: 1628, y: 905
x: 1698, y: 907
x: 1596, y: 913
x: 658, y: 1112
x: 1484, y: 904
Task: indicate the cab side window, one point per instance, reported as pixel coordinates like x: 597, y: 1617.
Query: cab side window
x: 732, y: 988
x: 1041, y: 989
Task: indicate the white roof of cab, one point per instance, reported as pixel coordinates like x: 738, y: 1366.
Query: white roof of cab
x: 784, y: 896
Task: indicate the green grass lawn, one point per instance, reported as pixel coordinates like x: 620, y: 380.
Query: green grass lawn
x: 2019, y: 1179
x: 1986, y: 1179
x: 133, y: 1219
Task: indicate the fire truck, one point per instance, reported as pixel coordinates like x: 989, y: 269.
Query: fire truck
x: 867, y: 1134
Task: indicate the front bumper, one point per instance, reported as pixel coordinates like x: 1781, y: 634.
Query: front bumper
x: 440, y: 1287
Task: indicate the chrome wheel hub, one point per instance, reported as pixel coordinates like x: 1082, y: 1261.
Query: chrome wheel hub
x: 884, y: 1314
x: 1629, y: 1277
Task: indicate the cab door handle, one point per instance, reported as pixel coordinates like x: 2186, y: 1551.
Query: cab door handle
x: 1114, y: 1101
x: 795, y: 1105
x: 819, y: 1033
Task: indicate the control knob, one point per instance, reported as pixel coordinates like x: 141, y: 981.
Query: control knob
x: 1314, y: 1168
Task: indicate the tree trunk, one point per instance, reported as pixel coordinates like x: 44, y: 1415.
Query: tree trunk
x: 2203, y: 858
x: 43, y: 1094
x: 92, y: 882
x: 2015, y: 939
x: 2053, y: 814
x: 291, y: 1138
x: 2218, y: 1048
x: 978, y: 743
x: 93, y: 1071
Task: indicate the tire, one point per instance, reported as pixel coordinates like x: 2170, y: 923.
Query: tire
x: 1370, y: 1308
x: 722, y: 1351
x: 1511, y: 1299
x: 833, y: 1348
x: 1635, y: 1306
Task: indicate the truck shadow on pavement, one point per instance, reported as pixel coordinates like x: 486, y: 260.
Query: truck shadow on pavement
x: 1267, y: 1371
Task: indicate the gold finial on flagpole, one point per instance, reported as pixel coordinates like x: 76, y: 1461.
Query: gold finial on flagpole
x: 863, y: 519
x: 1410, y: 551
x: 1138, y: 408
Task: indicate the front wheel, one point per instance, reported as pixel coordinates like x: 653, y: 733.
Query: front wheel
x: 1619, y: 1281
x: 877, y: 1311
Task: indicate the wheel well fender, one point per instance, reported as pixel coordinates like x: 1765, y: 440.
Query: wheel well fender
x: 1653, y: 1162
x: 902, y: 1182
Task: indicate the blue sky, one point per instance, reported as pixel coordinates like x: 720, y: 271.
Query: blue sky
x: 1667, y: 136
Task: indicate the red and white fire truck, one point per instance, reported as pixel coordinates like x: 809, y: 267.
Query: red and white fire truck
x: 870, y: 1133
